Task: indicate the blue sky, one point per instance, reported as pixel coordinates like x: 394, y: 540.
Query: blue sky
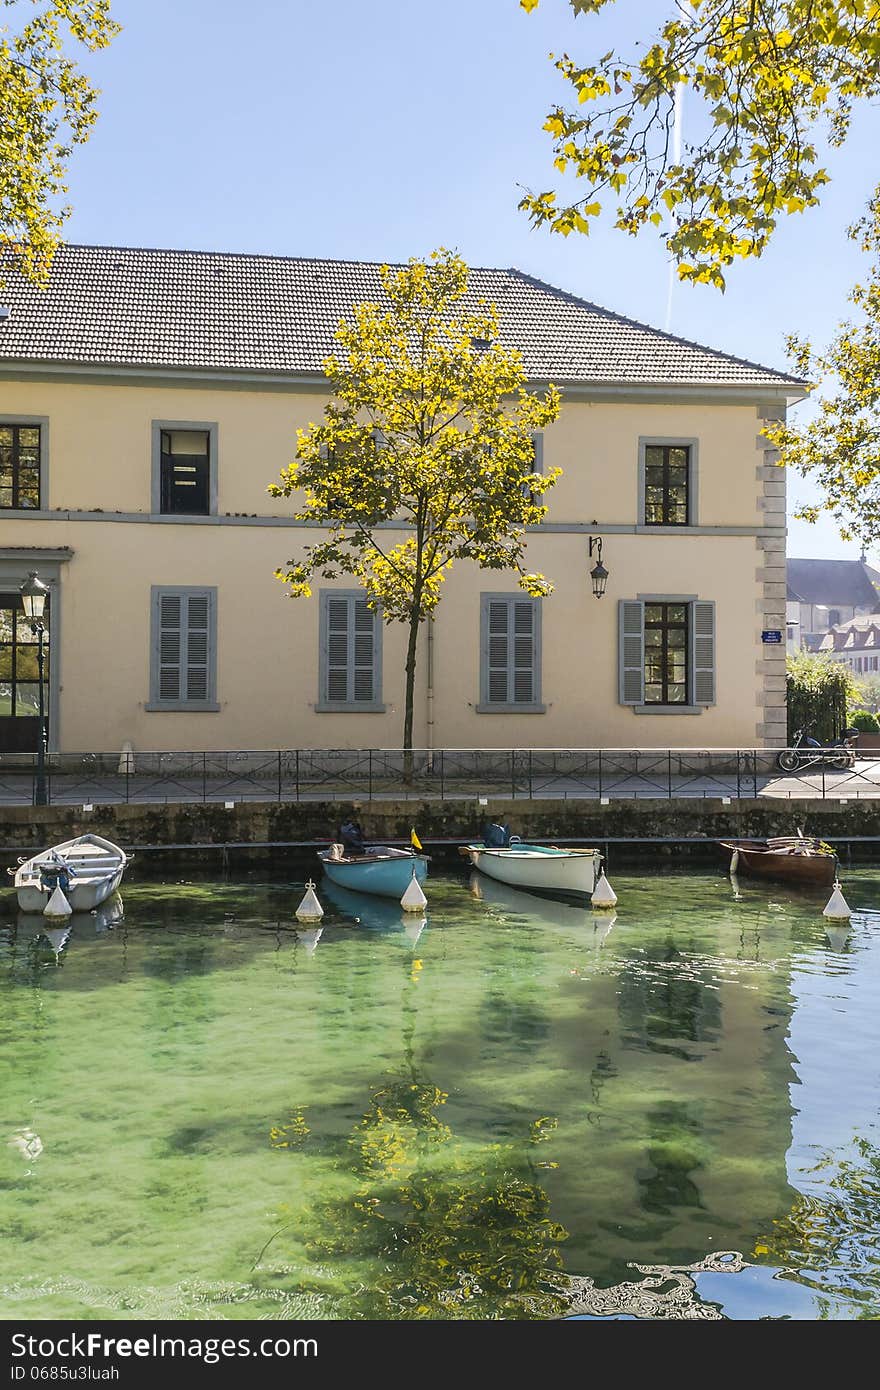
x: 380, y: 130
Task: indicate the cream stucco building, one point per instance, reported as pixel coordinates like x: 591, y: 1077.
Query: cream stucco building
x: 147, y: 398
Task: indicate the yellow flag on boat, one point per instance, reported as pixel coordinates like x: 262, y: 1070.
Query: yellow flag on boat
x: 414, y: 840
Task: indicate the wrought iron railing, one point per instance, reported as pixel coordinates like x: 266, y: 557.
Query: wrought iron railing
x: 445, y: 774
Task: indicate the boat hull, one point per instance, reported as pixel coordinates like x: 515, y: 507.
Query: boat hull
x: 386, y: 878
x: 84, y: 897
x: 817, y: 870
x: 97, y: 867
x: 534, y: 869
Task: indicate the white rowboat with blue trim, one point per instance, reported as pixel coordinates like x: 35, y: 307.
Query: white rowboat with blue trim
x: 540, y: 868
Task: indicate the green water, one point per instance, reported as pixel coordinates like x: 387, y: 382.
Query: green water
x: 510, y: 1111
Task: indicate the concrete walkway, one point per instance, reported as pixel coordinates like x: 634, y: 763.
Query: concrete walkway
x: 74, y: 789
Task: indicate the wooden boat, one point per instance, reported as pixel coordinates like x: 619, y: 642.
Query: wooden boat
x: 790, y: 858
x: 88, y: 870
x: 381, y: 869
x: 538, y: 868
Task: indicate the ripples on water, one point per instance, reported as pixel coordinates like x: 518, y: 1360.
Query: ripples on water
x: 512, y: 1108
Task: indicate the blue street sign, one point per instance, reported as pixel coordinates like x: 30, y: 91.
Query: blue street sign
x: 772, y: 636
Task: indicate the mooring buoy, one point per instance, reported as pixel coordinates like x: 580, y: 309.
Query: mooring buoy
x: 413, y: 899
x: 310, y: 910
x: 603, y: 894
x: 57, y: 906
x: 837, y: 909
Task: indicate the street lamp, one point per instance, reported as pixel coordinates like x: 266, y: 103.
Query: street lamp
x: 33, y: 600
x: 598, y: 574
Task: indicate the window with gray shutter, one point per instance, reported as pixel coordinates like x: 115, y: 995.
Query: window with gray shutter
x: 184, y: 649
x: 666, y: 654
x: 351, y: 652
x: 703, y: 652
x: 510, y: 650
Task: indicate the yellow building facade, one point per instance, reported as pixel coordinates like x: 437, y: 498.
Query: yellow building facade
x: 135, y: 453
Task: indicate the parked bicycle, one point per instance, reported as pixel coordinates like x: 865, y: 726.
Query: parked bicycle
x: 806, y: 751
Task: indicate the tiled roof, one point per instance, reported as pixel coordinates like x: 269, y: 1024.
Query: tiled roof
x: 836, y: 583
x: 204, y: 310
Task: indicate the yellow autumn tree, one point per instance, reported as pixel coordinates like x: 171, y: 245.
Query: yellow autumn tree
x: 425, y: 454
x: 766, y: 84
x: 47, y: 105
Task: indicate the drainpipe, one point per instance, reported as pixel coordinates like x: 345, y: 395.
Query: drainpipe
x: 429, y: 692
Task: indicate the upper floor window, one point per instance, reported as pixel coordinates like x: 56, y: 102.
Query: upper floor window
x: 537, y: 467
x: 667, y: 482
x: 186, y: 465
x: 184, y: 468
x: 20, y: 460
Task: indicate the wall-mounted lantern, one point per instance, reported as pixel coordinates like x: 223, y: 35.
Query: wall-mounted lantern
x: 598, y: 574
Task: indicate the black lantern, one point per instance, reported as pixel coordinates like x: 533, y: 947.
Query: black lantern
x: 33, y: 598
x: 598, y: 574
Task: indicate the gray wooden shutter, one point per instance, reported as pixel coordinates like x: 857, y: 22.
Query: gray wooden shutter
x: 363, y: 652
x: 337, y: 650
x: 522, y: 673
x: 350, y: 652
x: 510, y: 651
x: 703, y: 652
x: 498, y: 655
x: 631, y: 651
x: 171, y: 621
x: 198, y: 646
x: 184, y: 647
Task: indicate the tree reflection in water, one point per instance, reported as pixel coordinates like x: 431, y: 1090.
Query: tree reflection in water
x: 447, y: 1229
x: 830, y: 1240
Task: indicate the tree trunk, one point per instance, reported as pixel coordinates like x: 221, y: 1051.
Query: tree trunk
x: 411, y: 653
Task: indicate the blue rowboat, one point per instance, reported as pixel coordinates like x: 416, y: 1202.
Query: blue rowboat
x: 383, y: 871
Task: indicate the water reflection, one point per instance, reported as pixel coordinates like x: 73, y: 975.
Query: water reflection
x: 379, y: 1106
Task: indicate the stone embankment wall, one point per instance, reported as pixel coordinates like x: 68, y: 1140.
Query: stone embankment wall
x: 263, y: 825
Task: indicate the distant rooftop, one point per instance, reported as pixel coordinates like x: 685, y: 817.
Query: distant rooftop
x: 835, y: 583
x: 204, y: 310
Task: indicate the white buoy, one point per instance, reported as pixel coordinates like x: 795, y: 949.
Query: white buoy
x: 603, y: 894
x: 310, y: 910
x: 413, y: 899
x: 837, y: 908
x: 57, y: 906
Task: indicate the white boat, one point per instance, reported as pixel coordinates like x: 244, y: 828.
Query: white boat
x: 539, y: 868
x: 87, y: 870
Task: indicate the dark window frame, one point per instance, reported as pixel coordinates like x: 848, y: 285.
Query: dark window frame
x: 32, y: 643
x: 692, y: 446
x: 665, y: 625
x: 158, y: 489
x: 667, y: 505
x: 16, y: 426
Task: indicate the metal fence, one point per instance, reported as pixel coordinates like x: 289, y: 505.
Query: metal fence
x: 444, y: 774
